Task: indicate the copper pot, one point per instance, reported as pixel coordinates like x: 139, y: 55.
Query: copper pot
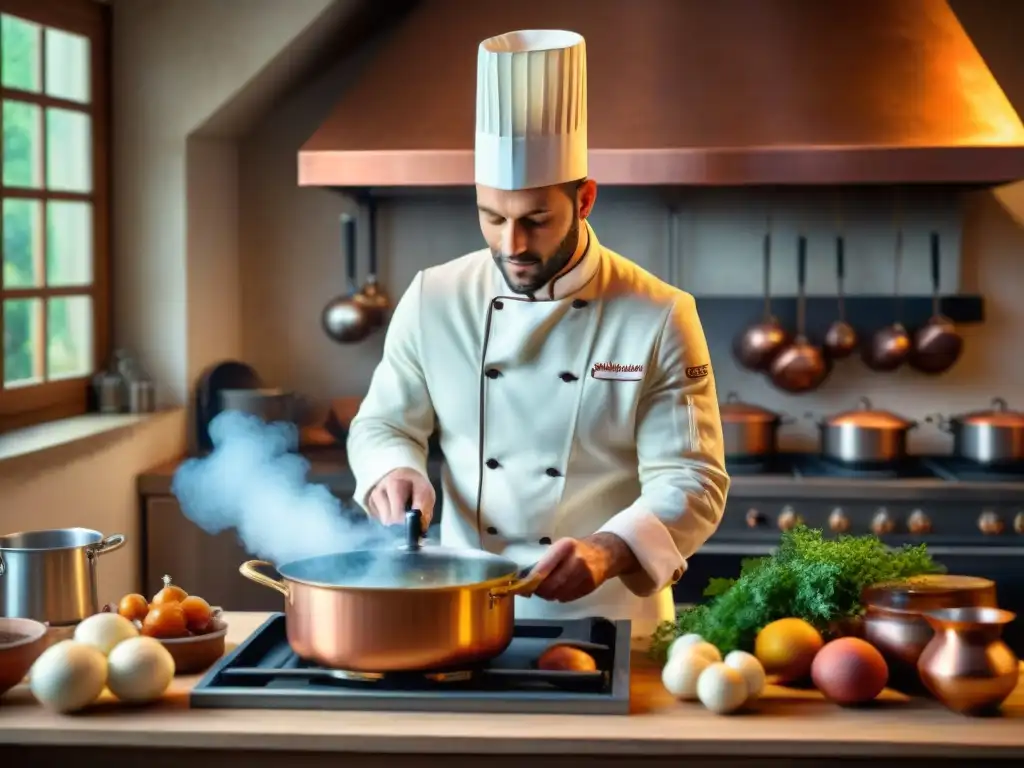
x: 411, y: 607
x: 749, y: 431
x: 967, y: 666
x: 894, y: 624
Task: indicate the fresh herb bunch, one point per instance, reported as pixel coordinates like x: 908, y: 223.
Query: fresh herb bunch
x: 809, y: 577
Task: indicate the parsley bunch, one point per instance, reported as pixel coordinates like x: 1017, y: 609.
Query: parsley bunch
x: 811, y: 578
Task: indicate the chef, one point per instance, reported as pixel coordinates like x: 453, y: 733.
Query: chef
x: 572, y: 391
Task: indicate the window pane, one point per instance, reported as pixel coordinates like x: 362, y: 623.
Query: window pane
x: 68, y: 243
x: 23, y: 325
x: 68, y: 151
x: 22, y: 230
x: 19, y: 43
x: 69, y: 342
x: 67, y: 66
x: 22, y: 143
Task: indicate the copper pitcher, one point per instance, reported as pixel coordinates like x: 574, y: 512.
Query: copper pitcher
x: 893, y: 621
x: 967, y: 666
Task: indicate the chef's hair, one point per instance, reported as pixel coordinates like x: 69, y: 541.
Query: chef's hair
x: 571, y: 188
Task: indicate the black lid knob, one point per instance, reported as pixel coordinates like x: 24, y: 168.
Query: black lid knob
x: 413, y: 528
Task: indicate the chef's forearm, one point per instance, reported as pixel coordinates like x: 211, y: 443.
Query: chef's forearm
x: 621, y: 558
x: 376, y: 447
x: 396, y: 418
x: 680, y: 457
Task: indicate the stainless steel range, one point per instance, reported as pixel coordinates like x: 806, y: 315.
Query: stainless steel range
x: 971, y: 518
x: 264, y: 673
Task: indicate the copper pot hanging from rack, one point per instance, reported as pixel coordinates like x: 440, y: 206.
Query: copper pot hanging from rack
x: 758, y: 345
x: 372, y: 296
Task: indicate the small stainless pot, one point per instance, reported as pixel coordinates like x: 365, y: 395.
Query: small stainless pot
x: 50, y: 575
x: 995, y: 436
x: 865, y: 436
x: 749, y: 431
x: 271, y: 405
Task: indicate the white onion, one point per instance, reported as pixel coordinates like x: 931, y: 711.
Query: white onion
x: 140, y: 669
x: 68, y: 676
x: 104, y: 630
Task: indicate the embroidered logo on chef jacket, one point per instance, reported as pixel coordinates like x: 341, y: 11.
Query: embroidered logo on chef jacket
x: 697, y: 371
x: 617, y: 372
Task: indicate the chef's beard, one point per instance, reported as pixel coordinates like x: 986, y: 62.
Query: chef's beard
x: 548, y: 267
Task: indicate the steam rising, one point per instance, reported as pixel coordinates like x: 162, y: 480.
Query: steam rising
x: 254, y: 483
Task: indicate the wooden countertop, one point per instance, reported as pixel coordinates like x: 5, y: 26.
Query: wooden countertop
x: 786, y: 723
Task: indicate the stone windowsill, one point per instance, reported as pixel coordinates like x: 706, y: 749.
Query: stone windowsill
x: 41, y: 438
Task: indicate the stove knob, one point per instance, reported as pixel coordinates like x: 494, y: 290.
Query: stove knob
x: 1018, y: 522
x: 838, y: 521
x: 789, y: 519
x: 755, y: 518
x: 919, y: 523
x: 882, y: 523
x: 990, y: 523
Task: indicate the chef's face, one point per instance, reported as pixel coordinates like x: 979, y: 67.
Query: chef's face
x: 533, y: 233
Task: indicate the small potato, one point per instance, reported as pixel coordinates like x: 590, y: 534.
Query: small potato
x: 566, y: 658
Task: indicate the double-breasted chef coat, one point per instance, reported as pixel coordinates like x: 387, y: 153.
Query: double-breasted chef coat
x: 591, y: 408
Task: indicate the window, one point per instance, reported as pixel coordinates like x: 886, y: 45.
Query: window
x: 54, y: 313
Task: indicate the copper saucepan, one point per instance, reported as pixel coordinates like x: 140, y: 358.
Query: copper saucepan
x: 411, y: 607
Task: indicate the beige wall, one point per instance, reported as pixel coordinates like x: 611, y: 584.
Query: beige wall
x: 189, y: 75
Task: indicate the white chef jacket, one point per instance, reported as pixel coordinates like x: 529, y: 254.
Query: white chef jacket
x: 592, y: 408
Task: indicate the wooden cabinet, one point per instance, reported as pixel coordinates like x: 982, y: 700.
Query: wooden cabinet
x: 202, y: 564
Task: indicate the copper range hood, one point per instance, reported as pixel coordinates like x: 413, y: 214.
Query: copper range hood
x: 694, y: 92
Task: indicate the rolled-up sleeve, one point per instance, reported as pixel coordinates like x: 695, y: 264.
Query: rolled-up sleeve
x: 396, y: 418
x: 680, y: 455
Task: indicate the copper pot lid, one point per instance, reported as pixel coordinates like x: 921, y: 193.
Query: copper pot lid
x: 928, y: 592
x: 866, y: 416
x: 735, y: 410
x: 999, y: 415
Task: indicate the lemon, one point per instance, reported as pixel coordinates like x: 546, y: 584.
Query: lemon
x: 787, y: 647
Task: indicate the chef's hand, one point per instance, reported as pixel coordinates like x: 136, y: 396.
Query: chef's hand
x: 399, y: 488
x: 573, y: 568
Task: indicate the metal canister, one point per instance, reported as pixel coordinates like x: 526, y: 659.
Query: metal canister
x: 141, y: 396
x: 110, y: 392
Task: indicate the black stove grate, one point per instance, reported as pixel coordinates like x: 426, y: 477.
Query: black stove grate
x: 264, y: 673
x: 813, y: 465
x: 965, y: 470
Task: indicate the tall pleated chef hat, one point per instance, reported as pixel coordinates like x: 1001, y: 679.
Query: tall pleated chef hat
x: 531, y: 109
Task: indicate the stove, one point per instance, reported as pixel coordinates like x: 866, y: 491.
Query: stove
x: 264, y: 673
x: 970, y: 517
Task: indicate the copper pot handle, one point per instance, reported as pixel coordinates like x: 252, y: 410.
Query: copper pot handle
x: 249, y: 570
x: 523, y: 584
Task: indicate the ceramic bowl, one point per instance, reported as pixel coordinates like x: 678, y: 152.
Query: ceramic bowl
x: 21, y: 642
x: 196, y: 654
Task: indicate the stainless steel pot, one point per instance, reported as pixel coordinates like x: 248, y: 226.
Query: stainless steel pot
x: 410, y: 607
x: 749, y: 431
x: 994, y: 436
x: 50, y: 575
x: 269, y: 404
x: 865, y: 436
